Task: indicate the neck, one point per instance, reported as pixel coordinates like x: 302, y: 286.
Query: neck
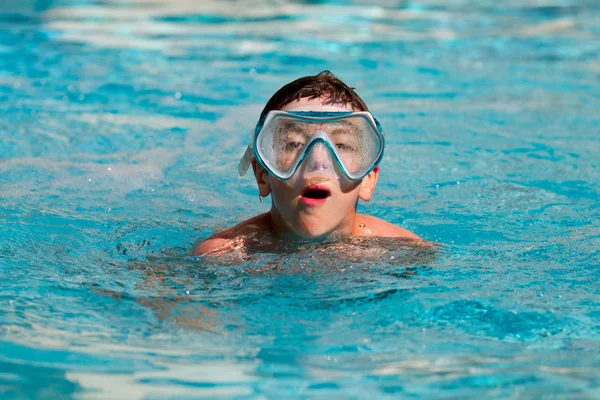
x: 279, y: 225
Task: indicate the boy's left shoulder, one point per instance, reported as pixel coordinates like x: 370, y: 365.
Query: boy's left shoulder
x: 367, y: 225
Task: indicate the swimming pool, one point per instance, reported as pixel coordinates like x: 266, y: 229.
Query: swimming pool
x: 122, y: 123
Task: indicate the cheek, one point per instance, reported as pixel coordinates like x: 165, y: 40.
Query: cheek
x: 351, y: 200
x: 281, y: 191
x: 350, y: 187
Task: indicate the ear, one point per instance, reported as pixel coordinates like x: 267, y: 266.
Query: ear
x: 367, y: 185
x: 262, y: 179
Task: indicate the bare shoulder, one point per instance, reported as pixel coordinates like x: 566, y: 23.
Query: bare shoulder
x: 366, y: 225
x: 216, y: 245
x: 232, y: 238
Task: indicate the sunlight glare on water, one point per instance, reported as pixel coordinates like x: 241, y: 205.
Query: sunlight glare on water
x: 122, y: 123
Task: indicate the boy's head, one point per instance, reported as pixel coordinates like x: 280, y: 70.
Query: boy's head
x: 328, y: 144
x: 323, y: 85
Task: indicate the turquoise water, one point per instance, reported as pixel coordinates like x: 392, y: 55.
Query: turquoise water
x: 121, y: 125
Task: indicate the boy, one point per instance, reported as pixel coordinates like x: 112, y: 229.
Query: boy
x: 316, y: 151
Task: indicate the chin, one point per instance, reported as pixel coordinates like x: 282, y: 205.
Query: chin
x: 313, y: 234
x: 314, y: 229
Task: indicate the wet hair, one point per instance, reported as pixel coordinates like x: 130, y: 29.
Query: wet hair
x: 324, y: 84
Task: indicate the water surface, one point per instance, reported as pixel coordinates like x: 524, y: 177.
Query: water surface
x: 122, y: 123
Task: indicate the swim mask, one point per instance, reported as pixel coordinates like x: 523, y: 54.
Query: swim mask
x: 353, y: 143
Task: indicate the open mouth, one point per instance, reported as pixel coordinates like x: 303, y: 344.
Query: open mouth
x: 316, y: 193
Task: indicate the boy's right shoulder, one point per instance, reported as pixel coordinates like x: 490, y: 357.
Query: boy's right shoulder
x: 232, y: 238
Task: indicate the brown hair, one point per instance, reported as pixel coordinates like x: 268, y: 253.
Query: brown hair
x: 323, y: 84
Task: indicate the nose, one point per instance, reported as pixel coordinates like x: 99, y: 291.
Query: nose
x: 318, y: 158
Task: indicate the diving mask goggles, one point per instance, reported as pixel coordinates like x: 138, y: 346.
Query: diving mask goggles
x: 282, y: 140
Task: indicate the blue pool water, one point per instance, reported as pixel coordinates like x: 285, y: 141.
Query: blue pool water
x: 121, y: 124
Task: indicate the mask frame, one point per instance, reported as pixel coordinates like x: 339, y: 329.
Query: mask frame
x: 318, y: 136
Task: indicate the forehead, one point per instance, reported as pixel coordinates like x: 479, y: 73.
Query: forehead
x: 316, y: 104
